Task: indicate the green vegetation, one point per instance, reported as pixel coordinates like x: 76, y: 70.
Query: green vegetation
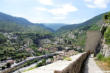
x: 93, y: 24
x: 15, y: 24
x: 29, y: 69
x: 79, y: 30
x: 2, y: 39
x: 100, y: 57
x: 20, y: 39
x: 43, y: 62
x: 22, y: 31
x: 8, y: 65
x: 107, y: 35
x: 13, y: 48
x: 30, y: 62
x: 107, y: 17
x: 6, y: 26
x: 107, y: 32
x: 81, y: 39
x: 95, y: 27
x: 67, y: 58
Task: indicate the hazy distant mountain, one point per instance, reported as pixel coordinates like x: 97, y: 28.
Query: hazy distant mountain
x: 44, y: 26
x: 55, y: 26
x: 10, y: 23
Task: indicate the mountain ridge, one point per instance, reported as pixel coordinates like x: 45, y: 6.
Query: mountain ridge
x: 10, y: 23
x: 97, y: 20
x: 23, y: 25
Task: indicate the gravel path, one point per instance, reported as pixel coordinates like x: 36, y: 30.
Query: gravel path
x: 91, y: 66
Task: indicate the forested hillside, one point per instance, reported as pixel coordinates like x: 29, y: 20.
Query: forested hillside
x: 16, y: 24
x: 91, y: 24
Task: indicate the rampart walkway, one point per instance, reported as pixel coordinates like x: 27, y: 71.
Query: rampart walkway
x: 91, y: 66
x: 62, y: 66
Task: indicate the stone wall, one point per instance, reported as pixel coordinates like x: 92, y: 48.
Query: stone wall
x: 105, y: 49
x: 74, y: 67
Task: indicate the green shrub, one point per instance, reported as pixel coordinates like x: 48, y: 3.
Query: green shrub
x: 100, y: 56
x: 39, y: 64
x: 3, y: 67
x: 104, y: 59
x: 2, y: 39
x: 107, y: 35
x: 8, y: 65
x: 43, y: 62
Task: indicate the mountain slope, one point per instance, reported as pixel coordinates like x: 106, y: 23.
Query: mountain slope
x: 97, y: 20
x: 9, y: 18
x: 10, y: 23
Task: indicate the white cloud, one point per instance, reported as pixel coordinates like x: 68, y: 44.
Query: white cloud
x: 90, y: 6
x: 46, y: 2
x: 63, y: 10
x: 59, y: 17
x: 53, y: 14
x: 59, y: 11
x: 88, y: 0
x: 41, y: 9
x: 97, y: 3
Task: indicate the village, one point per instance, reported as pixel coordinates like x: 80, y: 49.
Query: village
x: 44, y: 46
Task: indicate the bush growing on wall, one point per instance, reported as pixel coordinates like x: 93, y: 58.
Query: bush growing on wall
x: 100, y: 56
x: 43, y: 62
x: 107, y: 36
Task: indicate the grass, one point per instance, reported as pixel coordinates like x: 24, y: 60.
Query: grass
x: 30, y: 69
x: 43, y: 62
x: 103, y: 65
x: 67, y: 58
x: 100, y: 56
x: 103, y: 62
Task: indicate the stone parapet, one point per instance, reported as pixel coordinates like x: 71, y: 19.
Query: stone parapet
x: 63, y: 66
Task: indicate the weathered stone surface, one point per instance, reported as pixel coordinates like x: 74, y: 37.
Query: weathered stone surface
x: 75, y: 66
x: 63, y: 66
x: 105, y: 50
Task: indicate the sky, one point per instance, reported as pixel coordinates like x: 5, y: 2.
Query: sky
x: 55, y: 11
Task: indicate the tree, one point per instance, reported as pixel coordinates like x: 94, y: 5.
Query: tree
x: 107, y: 18
x: 3, y: 67
x: 2, y: 39
x: 8, y: 65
